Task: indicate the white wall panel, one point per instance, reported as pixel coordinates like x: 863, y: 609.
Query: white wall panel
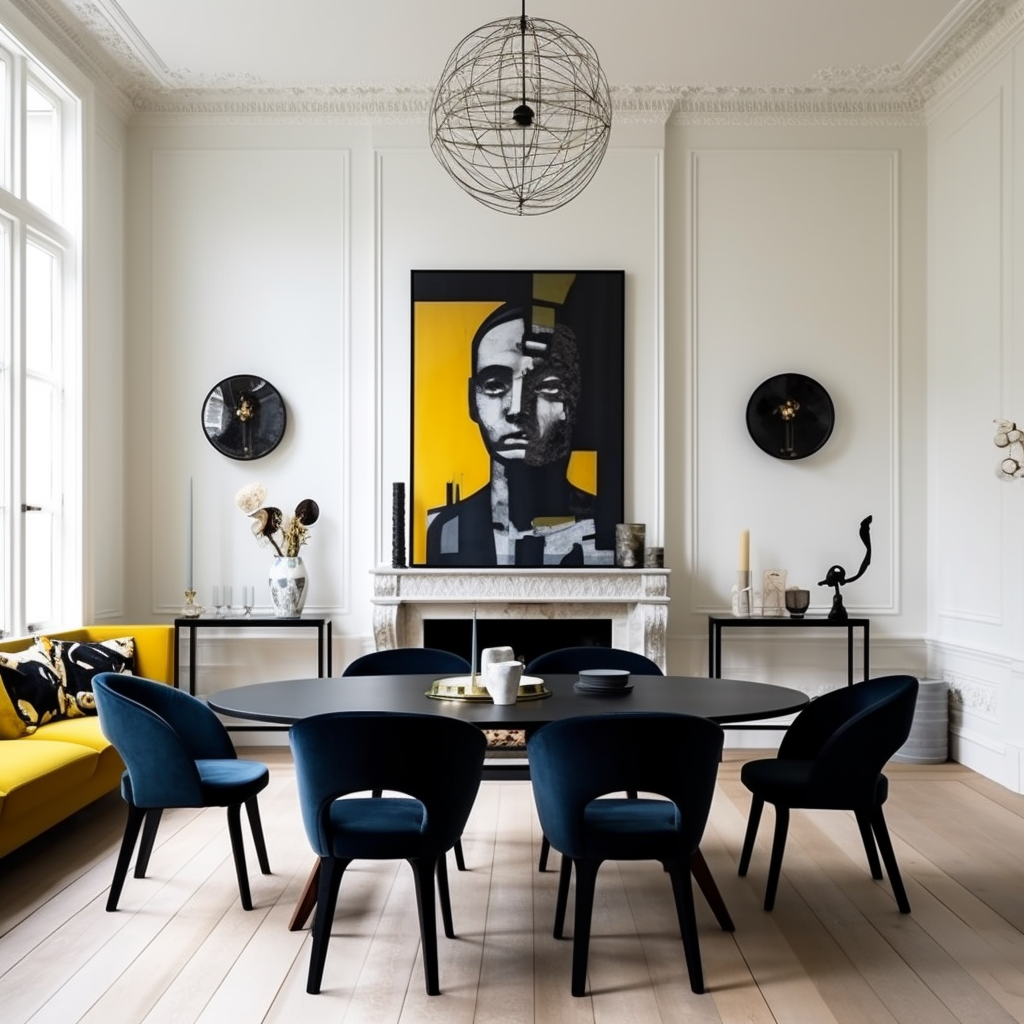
x: 975, y: 354
x: 794, y: 269
x: 427, y: 222
x: 103, y: 374
x: 966, y: 337
x: 249, y: 275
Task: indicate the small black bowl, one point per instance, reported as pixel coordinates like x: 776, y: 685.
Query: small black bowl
x: 612, y: 678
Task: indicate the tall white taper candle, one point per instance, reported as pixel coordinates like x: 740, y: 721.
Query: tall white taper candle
x: 188, y: 540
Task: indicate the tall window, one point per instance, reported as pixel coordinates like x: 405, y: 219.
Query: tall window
x: 40, y: 373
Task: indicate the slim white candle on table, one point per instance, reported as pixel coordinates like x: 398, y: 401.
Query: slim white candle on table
x: 188, y: 540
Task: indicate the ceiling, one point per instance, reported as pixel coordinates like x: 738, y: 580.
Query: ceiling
x: 159, y: 47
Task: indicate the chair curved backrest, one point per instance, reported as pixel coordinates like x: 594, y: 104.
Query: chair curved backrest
x: 573, y: 659
x: 849, y: 734
x: 407, y: 661
x: 160, y: 732
x: 438, y: 761
x: 577, y: 760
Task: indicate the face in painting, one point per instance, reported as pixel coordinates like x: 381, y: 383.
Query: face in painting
x: 524, y: 393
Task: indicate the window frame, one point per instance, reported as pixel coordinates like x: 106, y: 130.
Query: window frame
x: 60, y: 234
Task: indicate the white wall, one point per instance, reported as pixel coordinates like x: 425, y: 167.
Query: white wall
x: 104, y: 369
x: 975, y: 358
x: 287, y: 251
x: 797, y: 250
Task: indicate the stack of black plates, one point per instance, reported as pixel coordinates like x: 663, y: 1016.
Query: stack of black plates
x: 603, y: 682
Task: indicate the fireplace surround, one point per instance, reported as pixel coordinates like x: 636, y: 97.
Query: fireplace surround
x: 634, y: 601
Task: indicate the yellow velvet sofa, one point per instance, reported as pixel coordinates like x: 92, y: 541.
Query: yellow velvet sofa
x: 65, y: 765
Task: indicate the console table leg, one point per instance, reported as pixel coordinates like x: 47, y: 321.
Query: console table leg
x: 866, y: 647
x: 192, y: 660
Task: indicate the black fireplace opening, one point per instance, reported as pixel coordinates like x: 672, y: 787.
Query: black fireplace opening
x: 528, y: 638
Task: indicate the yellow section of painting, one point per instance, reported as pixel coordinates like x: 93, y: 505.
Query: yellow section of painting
x: 582, y: 471
x: 446, y: 442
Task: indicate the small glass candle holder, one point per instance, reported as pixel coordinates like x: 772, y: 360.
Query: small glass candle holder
x: 797, y: 601
x: 191, y: 610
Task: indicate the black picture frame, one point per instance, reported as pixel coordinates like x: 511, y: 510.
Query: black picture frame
x: 559, y: 376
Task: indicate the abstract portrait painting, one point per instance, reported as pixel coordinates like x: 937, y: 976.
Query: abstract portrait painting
x: 517, y: 417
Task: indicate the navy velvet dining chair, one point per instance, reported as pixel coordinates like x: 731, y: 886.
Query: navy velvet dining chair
x: 177, y: 753
x: 568, y: 660
x: 832, y: 756
x: 434, y: 763
x: 400, y: 661
x: 577, y: 761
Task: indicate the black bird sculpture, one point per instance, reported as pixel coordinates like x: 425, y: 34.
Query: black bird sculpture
x: 836, y: 576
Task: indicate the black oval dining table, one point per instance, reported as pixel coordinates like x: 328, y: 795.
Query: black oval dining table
x: 722, y: 700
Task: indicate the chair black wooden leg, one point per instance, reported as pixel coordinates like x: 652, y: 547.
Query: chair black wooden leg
x: 682, y: 890
x: 252, y: 808
x: 238, y: 850
x: 444, y: 897
x: 424, y: 870
x: 753, y: 820
x: 864, y: 824
x: 460, y: 860
x: 586, y: 880
x: 149, y: 827
x: 331, y: 871
x: 545, y: 849
x: 889, y: 858
x: 562, y: 900
x: 702, y: 873
x: 778, y: 848
x: 124, y: 856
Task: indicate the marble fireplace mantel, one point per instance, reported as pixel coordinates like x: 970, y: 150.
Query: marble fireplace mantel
x: 634, y: 600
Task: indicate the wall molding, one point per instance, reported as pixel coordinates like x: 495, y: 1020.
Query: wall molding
x: 99, y: 38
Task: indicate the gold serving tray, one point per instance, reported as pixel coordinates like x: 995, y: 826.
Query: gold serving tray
x: 464, y: 688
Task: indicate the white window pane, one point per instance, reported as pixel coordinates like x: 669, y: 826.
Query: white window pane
x: 39, y: 563
x: 41, y: 432
x: 5, y: 133
x: 40, y: 309
x: 42, y: 150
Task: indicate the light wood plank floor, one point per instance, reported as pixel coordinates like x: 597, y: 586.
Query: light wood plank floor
x: 835, y: 949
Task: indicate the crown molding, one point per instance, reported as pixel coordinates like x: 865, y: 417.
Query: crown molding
x: 101, y: 40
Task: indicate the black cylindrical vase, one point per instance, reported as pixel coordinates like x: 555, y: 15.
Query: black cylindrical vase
x: 398, y: 526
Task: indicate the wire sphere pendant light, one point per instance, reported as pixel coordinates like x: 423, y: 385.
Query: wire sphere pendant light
x: 521, y: 115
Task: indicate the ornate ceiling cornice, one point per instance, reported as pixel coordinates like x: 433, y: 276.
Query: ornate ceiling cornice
x: 101, y: 41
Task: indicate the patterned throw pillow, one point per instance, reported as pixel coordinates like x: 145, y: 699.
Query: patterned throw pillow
x: 77, y: 662
x: 33, y: 688
x: 53, y: 680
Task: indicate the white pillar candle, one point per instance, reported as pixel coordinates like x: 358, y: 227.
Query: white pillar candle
x: 744, y: 564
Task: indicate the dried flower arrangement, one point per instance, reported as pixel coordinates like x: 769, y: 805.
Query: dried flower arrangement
x: 269, y: 525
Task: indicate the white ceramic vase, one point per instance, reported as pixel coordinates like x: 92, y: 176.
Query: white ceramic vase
x: 501, y: 680
x: 288, y: 585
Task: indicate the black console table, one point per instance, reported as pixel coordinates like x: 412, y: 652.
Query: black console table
x: 716, y: 623
x: 192, y: 626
